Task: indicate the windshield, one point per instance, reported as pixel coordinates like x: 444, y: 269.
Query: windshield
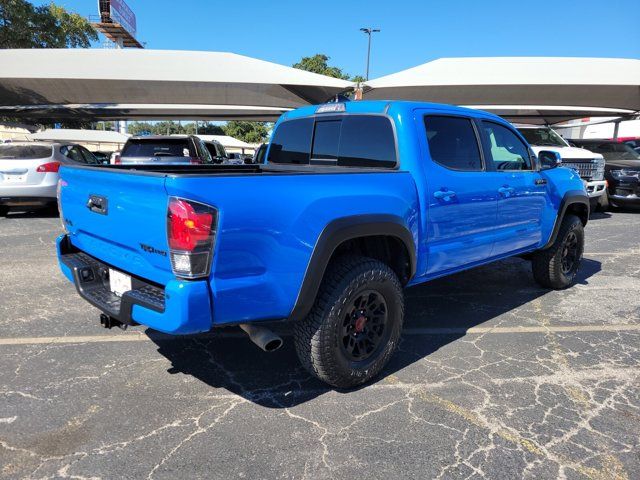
x: 613, y: 151
x: 24, y: 152
x: 170, y: 147
x: 542, y: 137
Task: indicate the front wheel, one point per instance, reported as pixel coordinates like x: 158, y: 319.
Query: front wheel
x: 557, y: 266
x: 355, y: 323
x: 3, y: 211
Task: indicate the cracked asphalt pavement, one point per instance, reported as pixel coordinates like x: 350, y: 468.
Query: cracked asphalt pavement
x: 495, y: 378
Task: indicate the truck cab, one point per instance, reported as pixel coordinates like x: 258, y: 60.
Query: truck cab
x: 589, y: 165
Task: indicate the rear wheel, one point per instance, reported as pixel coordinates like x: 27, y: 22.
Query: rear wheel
x: 3, y: 211
x: 557, y: 266
x: 355, y: 323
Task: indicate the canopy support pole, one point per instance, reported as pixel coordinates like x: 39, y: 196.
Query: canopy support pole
x: 616, y: 128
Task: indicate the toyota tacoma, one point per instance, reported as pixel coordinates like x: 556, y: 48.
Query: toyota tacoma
x: 354, y: 202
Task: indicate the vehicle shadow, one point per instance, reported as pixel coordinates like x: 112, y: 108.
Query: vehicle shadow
x: 228, y: 360
x: 48, y: 212
x: 598, y: 215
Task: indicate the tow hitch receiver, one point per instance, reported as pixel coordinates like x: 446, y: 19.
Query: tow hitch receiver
x: 109, y: 322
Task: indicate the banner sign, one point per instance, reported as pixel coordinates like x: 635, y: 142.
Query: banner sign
x: 122, y: 14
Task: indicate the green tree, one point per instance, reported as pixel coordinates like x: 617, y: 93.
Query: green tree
x: 319, y: 63
x: 23, y: 25
x: 250, y: 132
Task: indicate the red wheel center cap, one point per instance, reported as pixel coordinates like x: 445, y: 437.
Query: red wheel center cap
x: 360, y: 323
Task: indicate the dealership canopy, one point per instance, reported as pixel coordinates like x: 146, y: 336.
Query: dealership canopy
x: 538, y: 89
x: 134, y: 83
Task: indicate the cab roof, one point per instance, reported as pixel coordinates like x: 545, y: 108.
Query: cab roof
x: 390, y: 107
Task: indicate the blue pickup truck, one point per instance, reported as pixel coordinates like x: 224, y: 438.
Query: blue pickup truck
x: 355, y: 201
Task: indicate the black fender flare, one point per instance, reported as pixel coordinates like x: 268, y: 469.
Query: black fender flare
x: 334, y: 234
x: 571, y: 197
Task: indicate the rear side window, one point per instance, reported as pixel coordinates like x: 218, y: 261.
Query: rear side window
x: 73, y: 153
x: 349, y: 141
x: 169, y: 147
x: 204, y: 152
x: 291, y: 142
x: 453, y: 143
x: 24, y: 152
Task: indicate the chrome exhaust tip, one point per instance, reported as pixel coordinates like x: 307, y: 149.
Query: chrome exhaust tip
x: 262, y: 337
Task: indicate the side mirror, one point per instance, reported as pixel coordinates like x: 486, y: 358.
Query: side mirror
x: 549, y: 159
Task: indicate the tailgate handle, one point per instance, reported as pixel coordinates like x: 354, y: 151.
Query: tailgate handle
x: 98, y: 204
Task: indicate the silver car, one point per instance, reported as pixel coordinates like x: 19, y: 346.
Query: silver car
x: 29, y: 172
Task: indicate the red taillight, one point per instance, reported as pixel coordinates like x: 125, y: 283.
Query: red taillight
x: 117, y: 160
x: 195, y: 161
x: 186, y: 227
x: 48, y: 167
x: 191, y: 232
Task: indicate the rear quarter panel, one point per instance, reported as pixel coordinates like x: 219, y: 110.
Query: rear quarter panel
x: 269, y: 225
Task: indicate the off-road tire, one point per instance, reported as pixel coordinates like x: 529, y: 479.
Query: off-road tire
x: 547, y: 265
x: 320, y: 339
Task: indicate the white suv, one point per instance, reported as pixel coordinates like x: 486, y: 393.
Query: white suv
x: 589, y: 165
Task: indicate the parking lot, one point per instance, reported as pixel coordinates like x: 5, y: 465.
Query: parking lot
x: 495, y: 378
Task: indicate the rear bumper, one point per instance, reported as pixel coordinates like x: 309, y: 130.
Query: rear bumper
x: 47, y: 192
x: 179, y: 307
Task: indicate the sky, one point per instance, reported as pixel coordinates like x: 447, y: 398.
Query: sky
x: 412, y: 32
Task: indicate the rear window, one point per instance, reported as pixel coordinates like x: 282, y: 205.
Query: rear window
x: 24, y: 152
x: 349, y: 141
x: 170, y: 147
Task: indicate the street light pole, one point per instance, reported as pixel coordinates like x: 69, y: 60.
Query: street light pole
x: 369, y: 31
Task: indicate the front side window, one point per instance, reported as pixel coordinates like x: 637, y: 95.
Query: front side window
x: 73, y: 153
x: 452, y: 142
x: 505, y: 150
x: 88, y: 157
x: 291, y: 142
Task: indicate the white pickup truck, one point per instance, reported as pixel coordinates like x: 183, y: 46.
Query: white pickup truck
x: 589, y: 165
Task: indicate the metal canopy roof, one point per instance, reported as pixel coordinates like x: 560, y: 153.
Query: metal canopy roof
x: 549, y: 115
x: 523, y: 87
x: 104, y: 83
x: 77, y: 135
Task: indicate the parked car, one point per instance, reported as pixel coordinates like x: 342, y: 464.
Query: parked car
x: 622, y: 170
x: 165, y: 150
x: 29, y: 172
x: 589, y: 165
x: 357, y: 201
x: 260, y: 154
x: 216, y: 150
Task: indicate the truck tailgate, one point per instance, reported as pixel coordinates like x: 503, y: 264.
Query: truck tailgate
x: 118, y: 217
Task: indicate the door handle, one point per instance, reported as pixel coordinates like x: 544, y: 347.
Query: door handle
x: 444, y: 194
x: 541, y: 181
x: 98, y: 204
x: 506, y: 191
